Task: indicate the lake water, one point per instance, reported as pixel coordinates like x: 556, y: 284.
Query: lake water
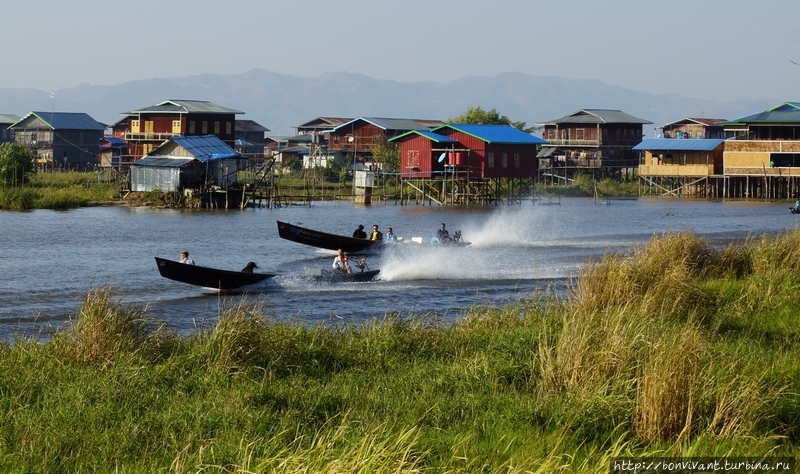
x: 49, y: 260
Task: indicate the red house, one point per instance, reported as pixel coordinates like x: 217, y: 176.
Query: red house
x: 484, y: 151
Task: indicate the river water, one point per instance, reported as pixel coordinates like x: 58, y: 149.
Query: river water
x: 49, y: 260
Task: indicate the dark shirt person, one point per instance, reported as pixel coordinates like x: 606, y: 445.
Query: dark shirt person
x: 442, y: 234
x: 359, y: 233
x: 376, y: 234
x: 249, y: 267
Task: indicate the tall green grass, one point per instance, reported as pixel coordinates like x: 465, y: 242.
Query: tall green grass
x: 57, y: 191
x: 678, y: 349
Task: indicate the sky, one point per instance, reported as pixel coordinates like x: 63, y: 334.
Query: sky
x: 710, y: 49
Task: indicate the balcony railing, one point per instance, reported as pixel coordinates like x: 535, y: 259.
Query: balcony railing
x: 149, y: 135
x: 676, y: 170
x: 562, y: 142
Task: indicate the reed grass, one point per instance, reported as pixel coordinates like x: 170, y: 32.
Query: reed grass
x: 57, y: 191
x: 678, y: 349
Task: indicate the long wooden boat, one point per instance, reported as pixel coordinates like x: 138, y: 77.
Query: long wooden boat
x: 324, y: 240
x: 208, y: 277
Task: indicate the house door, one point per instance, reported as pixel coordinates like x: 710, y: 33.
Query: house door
x: 148, y: 128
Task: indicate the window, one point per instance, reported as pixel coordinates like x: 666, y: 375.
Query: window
x: 605, y: 135
x: 191, y: 126
x: 204, y: 127
x: 216, y: 128
x: 228, y: 128
x: 579, y: 134
x: 135, y: 126
x: 619, y: 135
x: 625, y: 135
x: 516, y: 160
x: 490, y: 160
x: 504, y: 158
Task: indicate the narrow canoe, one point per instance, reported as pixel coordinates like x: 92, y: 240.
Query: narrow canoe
x: 324, y: 240
x: 208, y: 277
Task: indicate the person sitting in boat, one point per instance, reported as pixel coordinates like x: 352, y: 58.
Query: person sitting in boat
x: 442, y: 234
x: 376, y: 234
x: 249, y: 267
x: 185, y: 258
x: 340, y: 263
x: 390, y: 237
x: 359, y: 233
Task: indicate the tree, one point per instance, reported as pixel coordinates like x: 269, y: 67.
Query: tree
x: 16, y: 161
x: 476, y: 115
x: 388, y: 155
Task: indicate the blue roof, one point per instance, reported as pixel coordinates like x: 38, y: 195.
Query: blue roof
x: 495, y: 134
x: 786, y: 112
x: 205, y: 148
x: 429, y: 135
x: 677, y: 144
x: 62, y: 121
x: 115, y: 141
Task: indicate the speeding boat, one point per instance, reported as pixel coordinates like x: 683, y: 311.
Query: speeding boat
x: 324, y: 240
x: 207, y: 277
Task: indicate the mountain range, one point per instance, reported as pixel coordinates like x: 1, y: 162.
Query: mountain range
x: 281, y: 102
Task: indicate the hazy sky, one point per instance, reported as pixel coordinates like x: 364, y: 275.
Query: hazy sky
x: 710, y: 49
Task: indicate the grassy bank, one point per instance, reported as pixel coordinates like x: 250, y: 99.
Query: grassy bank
x: 678, y: 349
x: 58, y: 191
x: 585, y: 185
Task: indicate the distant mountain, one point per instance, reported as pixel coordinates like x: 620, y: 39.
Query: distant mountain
x: 279, y: 102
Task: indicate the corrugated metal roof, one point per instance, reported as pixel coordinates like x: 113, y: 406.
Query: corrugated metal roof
x: 676, y: 144
x: 250, y: 126
x: 708, y: 122
x: 546, y: 152
x: 425, y: 133
x: 9, y: 118
x: 62, y: 121
x: 787, y: 112
x: 496, y: 134
x: 598, y: 116
x: 403, y: 125
x: 324, y: 122
x: 203, y: 148
x: 185, y: 106
x: 162, y: 162
x: 115, y: 141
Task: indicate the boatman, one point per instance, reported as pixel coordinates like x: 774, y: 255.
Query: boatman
x: 376, y: 234
x: 185, y: 258
x: 359, y: 233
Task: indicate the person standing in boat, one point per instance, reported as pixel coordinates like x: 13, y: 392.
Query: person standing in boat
x: 340, y: 263
x: 359, y: 233
x: 249, y: 267
x: 185, y: 258
x: 376, y: 234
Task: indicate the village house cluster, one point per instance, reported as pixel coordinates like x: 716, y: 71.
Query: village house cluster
x: 177, y: 144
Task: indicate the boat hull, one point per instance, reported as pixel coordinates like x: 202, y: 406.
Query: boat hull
x: 324, y: 240
x: 207, y: 277
x: 332, y: 276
